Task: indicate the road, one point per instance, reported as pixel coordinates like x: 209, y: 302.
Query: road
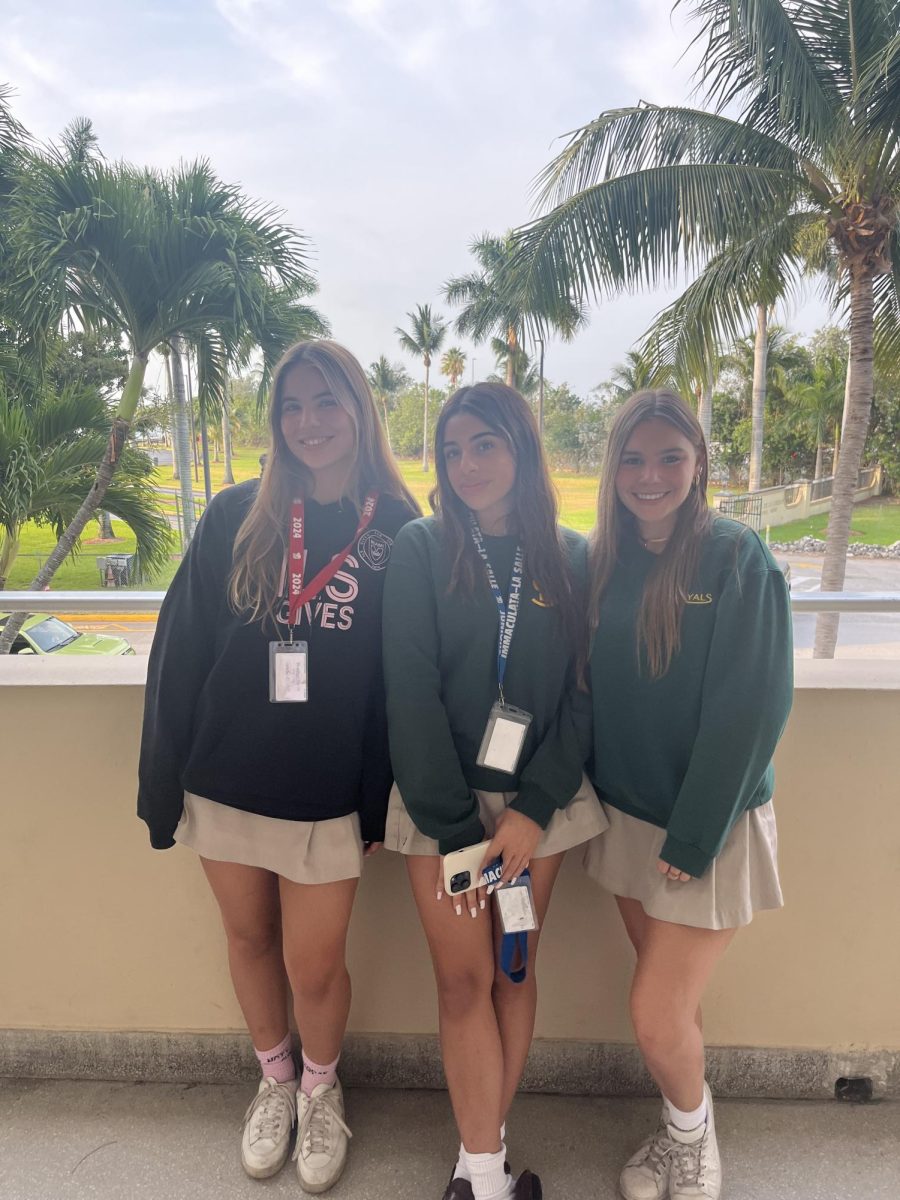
x: 869, y: 635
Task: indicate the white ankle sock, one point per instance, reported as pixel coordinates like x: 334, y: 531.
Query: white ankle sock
x: 686, y: 1121
x: 488, y: 1176
x: 461, y: 1170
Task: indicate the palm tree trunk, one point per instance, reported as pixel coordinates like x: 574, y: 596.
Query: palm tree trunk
x: 131, y: 394
x: 511, y: 357
x: 387, y: 428
x: 704, y: 408
x: 852, y: 446
x: 173, y: 420
x: 425, y: 422
x: 182, y: 444
x: 758, y: 411
x: 106, y: 529
x: 226, y: 434
x: 204, y: 443
x: 9, y: 548
x: 820, y: 452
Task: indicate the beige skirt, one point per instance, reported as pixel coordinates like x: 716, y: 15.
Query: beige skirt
x: 742, y: 880
x: 302, y: 851
x: 582, y: 819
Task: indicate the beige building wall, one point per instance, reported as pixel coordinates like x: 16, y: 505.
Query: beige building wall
x: 100, y: 932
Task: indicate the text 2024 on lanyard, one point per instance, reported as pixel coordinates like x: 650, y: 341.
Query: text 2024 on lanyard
x: 289, y: 661
x: 504, y: 737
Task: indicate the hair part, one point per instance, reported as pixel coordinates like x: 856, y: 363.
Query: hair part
x: 667, y: 586
x: 261, y: 543
x: 534, y: 513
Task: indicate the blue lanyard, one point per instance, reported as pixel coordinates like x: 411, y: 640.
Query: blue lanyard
x: 510, y: 944
x: 508, y: 610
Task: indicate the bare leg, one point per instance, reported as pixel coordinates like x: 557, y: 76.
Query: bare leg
x: 315, y: 918
x: 673, y: 968
x: 635, y: 921
x: 515, y: 1003
x: 248, y: 901
x: 463, y: 958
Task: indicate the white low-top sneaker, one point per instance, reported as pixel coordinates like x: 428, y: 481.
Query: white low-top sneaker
x: 646, y: 1174
x: 322, y: 1135
x: 695, y: 1169
x: 266, y: 1139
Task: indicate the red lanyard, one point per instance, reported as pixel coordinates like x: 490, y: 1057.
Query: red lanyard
x: 298, y: 594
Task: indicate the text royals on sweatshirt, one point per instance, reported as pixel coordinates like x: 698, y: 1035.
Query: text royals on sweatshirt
x: 441, y: 674
x: 691, y: 751
x: 209, y: 726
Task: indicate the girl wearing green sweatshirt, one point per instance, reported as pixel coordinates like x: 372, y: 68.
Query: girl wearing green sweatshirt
x: 492, y: 552
x: 691, y: 671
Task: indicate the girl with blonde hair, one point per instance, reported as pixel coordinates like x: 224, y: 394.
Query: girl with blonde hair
x: 265, y: 739
x: 691, y: 667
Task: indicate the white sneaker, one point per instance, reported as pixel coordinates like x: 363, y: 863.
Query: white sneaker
x: 267, y: 1127
x: 322, y: 1134
x: 695, y: 1169
x: 646, y: 1174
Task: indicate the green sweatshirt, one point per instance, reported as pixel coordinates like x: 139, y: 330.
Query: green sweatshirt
x: 440, y: 669
x: 692, y: 751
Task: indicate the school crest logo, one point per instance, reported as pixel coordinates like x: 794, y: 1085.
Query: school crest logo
x: 375, y: 549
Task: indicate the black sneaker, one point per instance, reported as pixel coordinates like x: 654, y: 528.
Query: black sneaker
x: 528, y: 1187
x: 461, y: 1189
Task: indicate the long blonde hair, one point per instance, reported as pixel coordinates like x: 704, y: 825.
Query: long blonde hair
x: 261, y: 541
x: 667, y: 586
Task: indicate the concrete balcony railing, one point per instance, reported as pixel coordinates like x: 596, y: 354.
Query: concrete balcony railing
x: 113, y: 960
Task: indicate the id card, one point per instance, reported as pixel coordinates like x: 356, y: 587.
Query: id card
x: 504, y: 737
x: 516, y: 907
x: 288, y: 672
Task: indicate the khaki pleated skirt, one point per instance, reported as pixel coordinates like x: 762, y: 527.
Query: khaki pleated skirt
x: 742, y: 880
x: 302, y: 851
x: 583, y: 818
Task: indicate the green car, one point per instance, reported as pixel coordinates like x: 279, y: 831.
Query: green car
x: 43, y: 634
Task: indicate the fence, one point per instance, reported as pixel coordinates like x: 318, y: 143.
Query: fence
x: 796, y: 501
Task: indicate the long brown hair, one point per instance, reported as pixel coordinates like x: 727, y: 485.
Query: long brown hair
x: 261, y: 541
x: 534, y: 514
x: 667, y: 586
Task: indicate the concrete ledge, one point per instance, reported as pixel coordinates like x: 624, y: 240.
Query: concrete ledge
x: 556, y: 1066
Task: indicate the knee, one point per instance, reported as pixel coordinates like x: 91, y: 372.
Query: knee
x: 463, y: 990
x: 658, y: 1026
x: 254, y: 941
x: 315, y: 981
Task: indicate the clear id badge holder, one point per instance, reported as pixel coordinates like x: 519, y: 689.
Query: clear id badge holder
x: 288, y: 672
x: 504, y: 738
x: 515, y: 904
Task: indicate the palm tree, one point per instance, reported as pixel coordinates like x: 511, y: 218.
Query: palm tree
x: 154, y: 255
x: 386, y: 379
x: 638, y: 372
x: 48, y: 447
x: 453, y: 364
x: 495, y: 304
x: 425, y: 340
x: 809, y: 170
x: 817, y: 404
x: 516, y: 367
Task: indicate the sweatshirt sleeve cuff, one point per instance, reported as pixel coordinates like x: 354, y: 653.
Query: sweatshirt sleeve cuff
x: 685, y: 856
x: 470, y: 836
x: 537, y: 804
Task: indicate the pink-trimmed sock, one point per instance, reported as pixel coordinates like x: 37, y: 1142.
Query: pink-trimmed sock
x: 315, y: 1073
x: 278, y: 1063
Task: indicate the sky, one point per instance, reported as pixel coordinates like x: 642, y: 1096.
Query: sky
x: 391, y: 132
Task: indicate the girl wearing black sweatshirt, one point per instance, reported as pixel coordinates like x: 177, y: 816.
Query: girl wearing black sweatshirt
x: 265, y: 740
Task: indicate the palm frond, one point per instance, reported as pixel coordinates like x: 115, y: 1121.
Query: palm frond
x: 642, y: 228
x: 757, y: 56
x: 138, y: 507
x: 887, y: 309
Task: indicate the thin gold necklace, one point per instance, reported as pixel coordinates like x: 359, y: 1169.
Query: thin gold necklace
x: 647, y: 542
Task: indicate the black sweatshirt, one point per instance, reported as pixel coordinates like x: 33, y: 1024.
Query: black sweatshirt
x: 209, y: 726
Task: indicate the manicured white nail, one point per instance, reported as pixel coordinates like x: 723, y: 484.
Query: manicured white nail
x: 490, y: 889
x: 514, y: 878
x: 481, y: 903
x: 439, y: 895
x: 459, y: 910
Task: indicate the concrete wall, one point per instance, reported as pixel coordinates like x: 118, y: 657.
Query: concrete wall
x: 102, y: 933
x: 796, y: 503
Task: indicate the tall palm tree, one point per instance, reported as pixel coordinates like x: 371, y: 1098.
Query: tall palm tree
x: 386, y: 380
x: 425, y: 340
x: 811, y: 166
x: 494, y: 304
x: 453, y: 363
x: 817, y: 405
x: 154, y: 255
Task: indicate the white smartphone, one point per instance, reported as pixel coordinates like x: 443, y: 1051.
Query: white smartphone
x: 462, y: 869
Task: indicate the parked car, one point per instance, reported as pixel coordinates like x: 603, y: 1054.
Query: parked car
x: 43, y: 634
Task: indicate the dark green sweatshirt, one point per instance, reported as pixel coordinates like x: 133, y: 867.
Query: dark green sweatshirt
x: 440, y: 668
x: 692, y: 751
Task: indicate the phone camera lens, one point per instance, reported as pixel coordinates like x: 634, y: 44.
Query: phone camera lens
x: 460, y: 882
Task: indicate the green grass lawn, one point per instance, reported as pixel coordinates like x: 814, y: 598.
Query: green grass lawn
x: 876, y: 522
